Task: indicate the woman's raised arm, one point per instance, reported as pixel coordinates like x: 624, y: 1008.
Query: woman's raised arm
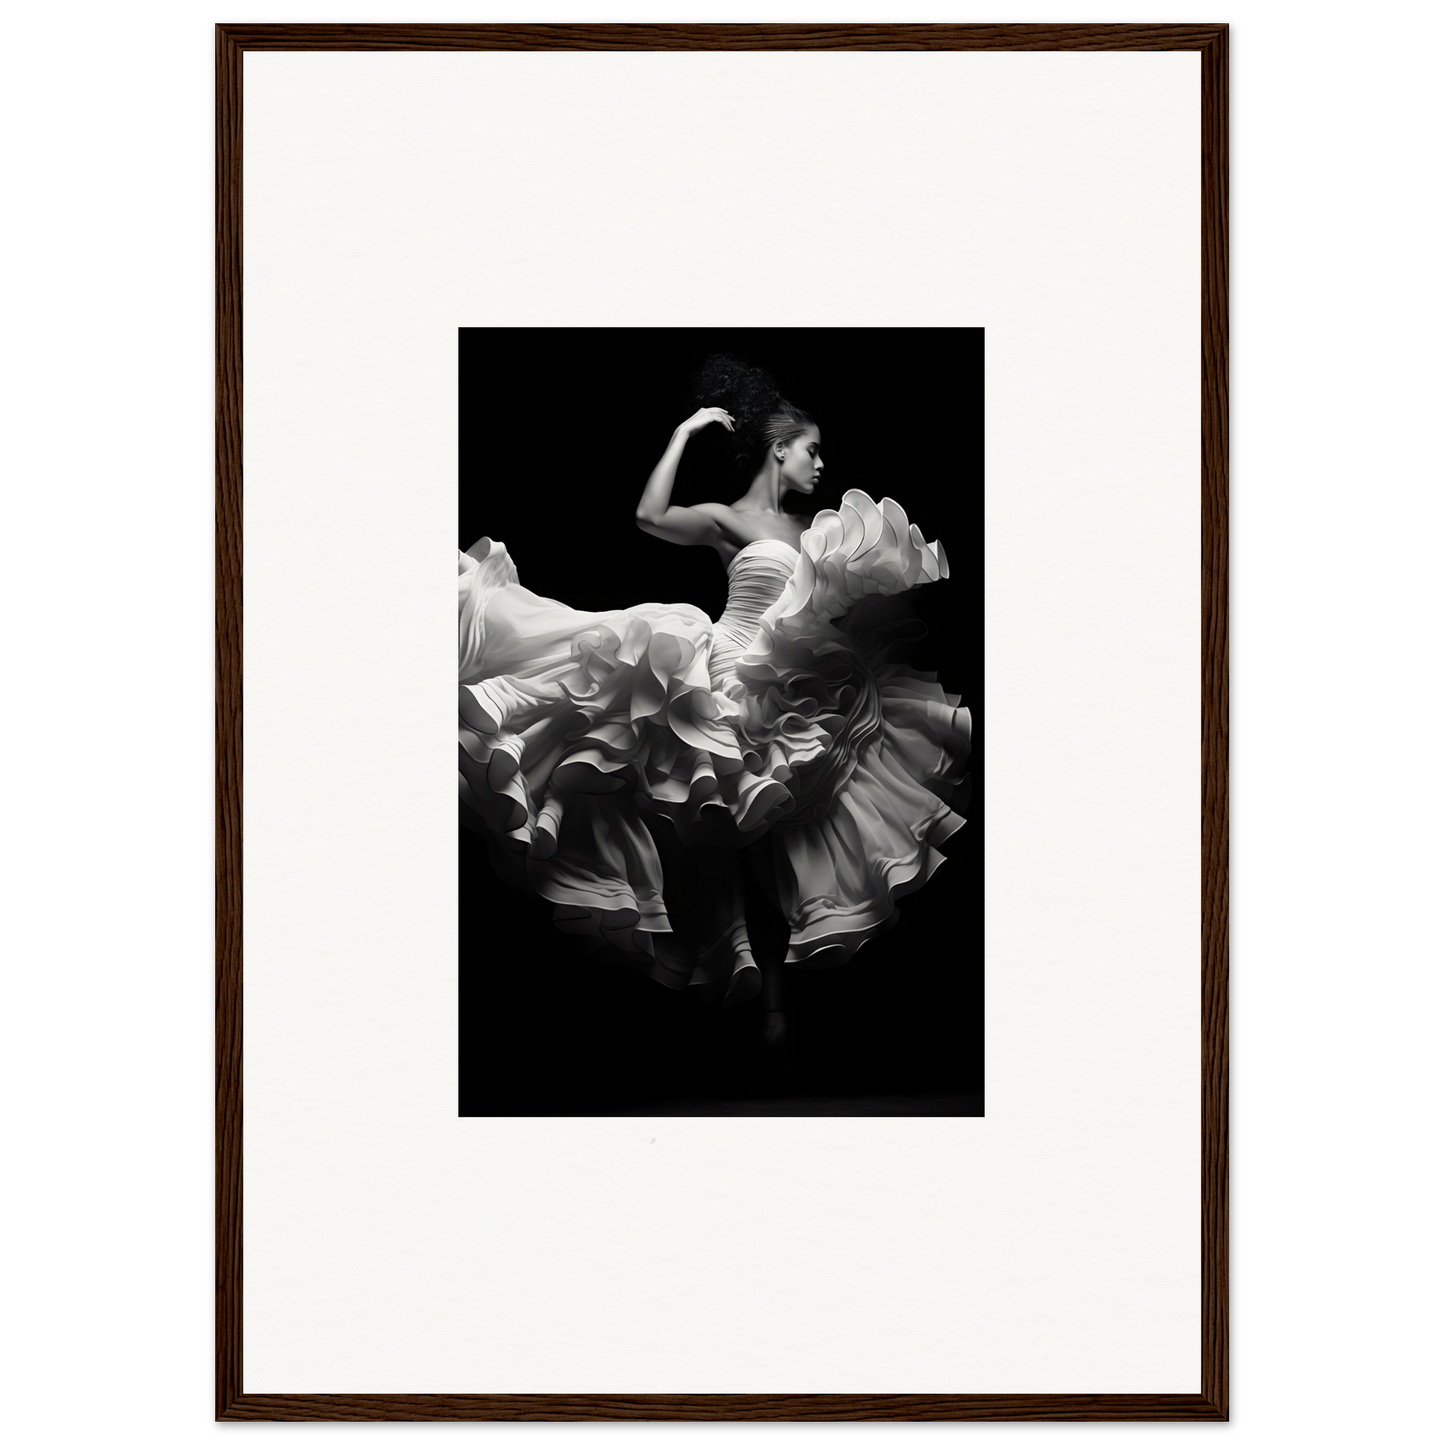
x: 688, y: 526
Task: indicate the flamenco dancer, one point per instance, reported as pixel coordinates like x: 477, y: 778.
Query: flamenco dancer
x: 647, y: 769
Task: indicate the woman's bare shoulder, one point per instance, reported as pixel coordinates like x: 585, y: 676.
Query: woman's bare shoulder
x: 741, y: 525
x: 738, y: 526
x: 731, y: 535
x: 720, y: 512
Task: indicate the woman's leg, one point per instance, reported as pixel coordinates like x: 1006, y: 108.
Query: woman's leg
x: 709, y: 944
x: 769, y: 932
x: 775, y: 1020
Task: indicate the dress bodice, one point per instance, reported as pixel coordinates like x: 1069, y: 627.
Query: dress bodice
x: 756, y: 577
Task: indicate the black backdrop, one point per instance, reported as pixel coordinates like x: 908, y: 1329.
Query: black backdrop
x: 559, y: 430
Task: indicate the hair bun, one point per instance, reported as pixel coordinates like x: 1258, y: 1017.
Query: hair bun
x: 745, y: 390
x: 761, y: 414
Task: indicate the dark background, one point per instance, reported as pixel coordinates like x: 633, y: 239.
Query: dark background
x: 559, y: 430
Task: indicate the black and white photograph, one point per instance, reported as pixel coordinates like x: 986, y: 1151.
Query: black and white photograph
x: 832, y: 447
x: 721, y: 721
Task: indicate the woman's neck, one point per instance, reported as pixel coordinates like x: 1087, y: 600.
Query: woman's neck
x: 764, y: 494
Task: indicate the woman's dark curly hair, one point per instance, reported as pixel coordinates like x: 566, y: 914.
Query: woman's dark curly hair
x: 762, y: 415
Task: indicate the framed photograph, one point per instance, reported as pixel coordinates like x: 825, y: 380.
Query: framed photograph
x: 800, y: 993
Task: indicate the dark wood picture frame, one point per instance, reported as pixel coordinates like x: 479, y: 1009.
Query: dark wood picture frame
x: 1212, y: 1402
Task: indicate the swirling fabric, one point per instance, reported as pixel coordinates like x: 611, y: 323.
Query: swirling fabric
x: 614, y: 758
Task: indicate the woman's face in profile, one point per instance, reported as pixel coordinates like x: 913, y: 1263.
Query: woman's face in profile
x: 802, y: 465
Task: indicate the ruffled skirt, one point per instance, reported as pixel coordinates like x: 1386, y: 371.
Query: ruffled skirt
x: 615, y: 780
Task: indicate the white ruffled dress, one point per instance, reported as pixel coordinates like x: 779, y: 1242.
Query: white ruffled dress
x: 618, y: 760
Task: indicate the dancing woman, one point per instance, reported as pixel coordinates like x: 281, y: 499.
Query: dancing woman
x: 620, y: 762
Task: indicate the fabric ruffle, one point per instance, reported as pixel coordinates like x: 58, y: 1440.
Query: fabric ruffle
x: 879, y: 806
x: 600, y: 754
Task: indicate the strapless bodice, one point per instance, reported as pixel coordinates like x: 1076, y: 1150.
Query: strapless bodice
x: 768, y: 553
x: 756, y: 577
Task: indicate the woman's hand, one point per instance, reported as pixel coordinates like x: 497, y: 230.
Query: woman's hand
x: 702, y: 417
